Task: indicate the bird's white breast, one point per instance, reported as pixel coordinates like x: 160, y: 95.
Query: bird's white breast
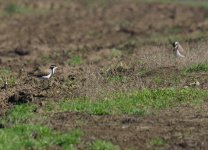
x: 46, y: 77
x: 179, y: 54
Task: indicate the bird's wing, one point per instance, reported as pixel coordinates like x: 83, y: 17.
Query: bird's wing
x: 181, y: 50
x: 42, y: 72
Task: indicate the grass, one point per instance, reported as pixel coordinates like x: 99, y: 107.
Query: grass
x: 192, y: 3
x: 24, y: 131
x: 157, y: 142
x: 7, y: 77
x: 174, y: 30
x: 95, y: 34
x: 135, y: 103
x: 46, y: 58
x: 116, y: 52
x: 36, y: 137
x: 19, y: 114
x: 158, y: 80
x: 93, y: 3
x: 76, y: 60
x: 160, y: 38
x: 103, y: 145
x: 117, y: 79
x: 107, y: 3
x: 12, y: 8
x: 197, y: 68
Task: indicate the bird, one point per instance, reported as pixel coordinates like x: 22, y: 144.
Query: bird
x: 180, y: 52
x: 45, y: 74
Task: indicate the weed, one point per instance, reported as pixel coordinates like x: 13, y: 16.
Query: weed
x: 103, y: 145
x: 157, y: 142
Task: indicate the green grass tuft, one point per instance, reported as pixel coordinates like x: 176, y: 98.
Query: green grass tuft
x: 76, y: 60
x: 36, y: 137
x: 157, y: 142
x: 192, y: 3
x: 6, y: 76
x: 197, y: 68
x: 12, y: 8
x: 117, y: 78
x: 116, y: 52
x: 19, y: 114
x: 103, y: 145
x: 158, y: 80
x: 23, y: 130
x: 135, y: 103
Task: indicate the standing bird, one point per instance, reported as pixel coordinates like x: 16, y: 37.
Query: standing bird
x: 180, y: 52
x: 45, y: 74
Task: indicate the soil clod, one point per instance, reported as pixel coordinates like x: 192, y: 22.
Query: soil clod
x: 20, y: 98
x: 21, y: 51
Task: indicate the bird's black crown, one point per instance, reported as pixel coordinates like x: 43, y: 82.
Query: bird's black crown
x: 52, y: 66
x: 175, y: 44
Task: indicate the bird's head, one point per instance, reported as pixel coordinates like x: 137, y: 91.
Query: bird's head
x: 53, y: 68
x: 175, y: 44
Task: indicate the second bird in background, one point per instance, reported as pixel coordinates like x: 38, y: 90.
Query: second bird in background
x: 180, y: 52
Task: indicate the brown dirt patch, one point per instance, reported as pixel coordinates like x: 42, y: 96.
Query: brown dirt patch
x: 184, y: 127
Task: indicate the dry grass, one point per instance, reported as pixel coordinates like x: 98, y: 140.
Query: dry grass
x: 139, y: 70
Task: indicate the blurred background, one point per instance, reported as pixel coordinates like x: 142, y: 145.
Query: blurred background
x: 99, y: 23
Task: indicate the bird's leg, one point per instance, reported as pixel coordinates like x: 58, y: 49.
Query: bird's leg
x: 44, y: 84
x: 34, y: 82
x: 48, y: 84
x: 176, y: 61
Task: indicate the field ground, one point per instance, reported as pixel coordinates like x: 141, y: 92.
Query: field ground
x: 118, y: 84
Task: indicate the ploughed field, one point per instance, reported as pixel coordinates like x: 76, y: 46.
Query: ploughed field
x: 118, y: 84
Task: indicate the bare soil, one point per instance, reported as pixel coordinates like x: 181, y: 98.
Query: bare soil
x: 112, y: 39
x: 183, y: 127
